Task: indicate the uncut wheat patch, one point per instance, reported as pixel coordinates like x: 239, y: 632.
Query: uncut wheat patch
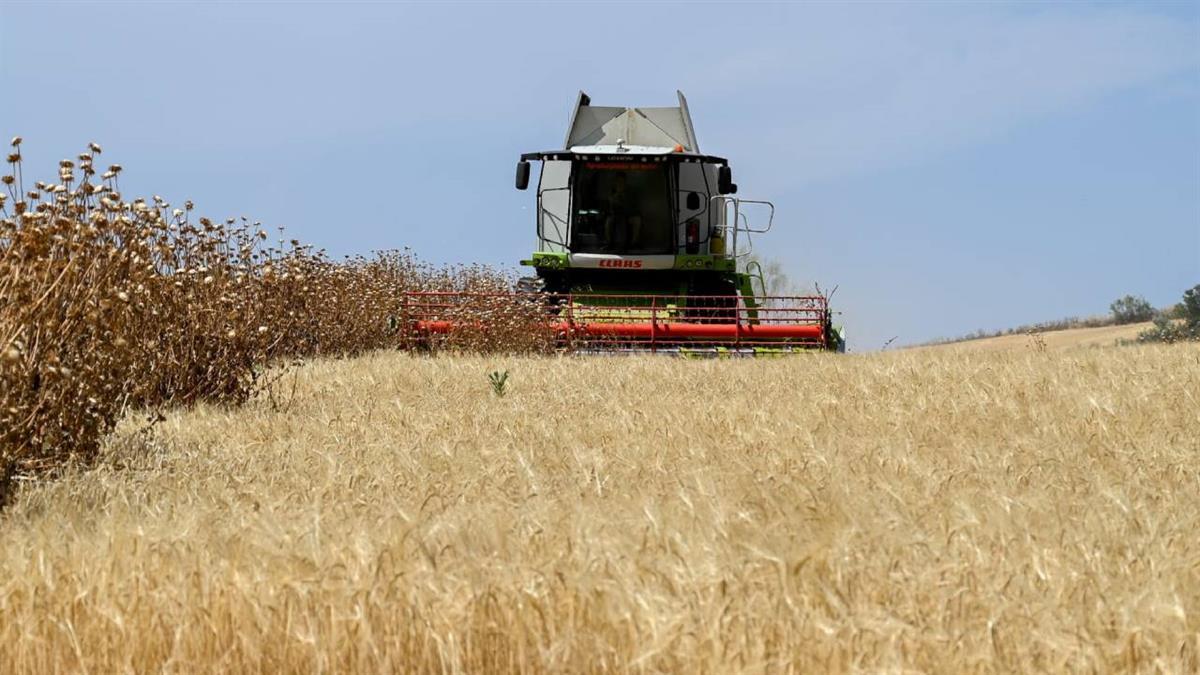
x: 911, y: 511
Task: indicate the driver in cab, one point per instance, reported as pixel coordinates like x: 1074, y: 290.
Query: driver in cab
x: 621, y: 228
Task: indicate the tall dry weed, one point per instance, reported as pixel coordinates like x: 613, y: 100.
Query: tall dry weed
x: 108, y: 302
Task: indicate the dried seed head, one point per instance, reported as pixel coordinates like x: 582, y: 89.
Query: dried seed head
x: 16, y: 141
x: 94, y: 147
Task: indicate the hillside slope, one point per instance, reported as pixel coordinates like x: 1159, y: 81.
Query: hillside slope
x: 916, y: 511
x: 1103, y: 336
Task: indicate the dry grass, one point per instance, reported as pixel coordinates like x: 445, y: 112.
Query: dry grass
x: 928, y: 511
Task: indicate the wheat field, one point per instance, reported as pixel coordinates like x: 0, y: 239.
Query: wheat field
x: 926, y: 511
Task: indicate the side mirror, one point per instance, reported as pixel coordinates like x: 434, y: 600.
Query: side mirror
x: 693, y: 202
x: 725, y: 180
x: 522, y: 175
x: 732, y: 188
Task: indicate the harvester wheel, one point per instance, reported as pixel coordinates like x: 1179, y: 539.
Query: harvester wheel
x: 531, y: 285
x: 713, y: 303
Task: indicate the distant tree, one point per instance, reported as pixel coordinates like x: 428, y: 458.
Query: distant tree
x: 1191, y: 307
x: 775, y: 278
x: 1175, y: 311
x: 1132, y: 309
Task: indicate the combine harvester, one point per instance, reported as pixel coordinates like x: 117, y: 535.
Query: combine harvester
x: 642, y: 246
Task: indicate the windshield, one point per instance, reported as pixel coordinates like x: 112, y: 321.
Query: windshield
x: 622, y: 208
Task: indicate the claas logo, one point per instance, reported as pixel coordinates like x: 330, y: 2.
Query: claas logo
x: 621, y: 263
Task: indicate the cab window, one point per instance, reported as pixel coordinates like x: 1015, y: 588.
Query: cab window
x: 621, y: 208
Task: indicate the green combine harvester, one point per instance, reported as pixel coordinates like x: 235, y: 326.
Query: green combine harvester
x: 644, y: 245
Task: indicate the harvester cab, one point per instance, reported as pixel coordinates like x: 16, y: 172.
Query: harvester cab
x: 630, y: 204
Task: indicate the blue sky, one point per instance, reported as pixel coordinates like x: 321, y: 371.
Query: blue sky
x: 948, y: 166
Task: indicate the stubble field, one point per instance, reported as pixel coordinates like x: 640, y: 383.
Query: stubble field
x: 923, y: 511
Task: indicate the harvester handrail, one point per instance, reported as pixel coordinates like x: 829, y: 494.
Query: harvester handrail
x: 770, y: 218
x: 741, y: 222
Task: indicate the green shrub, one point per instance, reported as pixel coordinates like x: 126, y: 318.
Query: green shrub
x: 1132, y: 309
x: 499, y: 381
